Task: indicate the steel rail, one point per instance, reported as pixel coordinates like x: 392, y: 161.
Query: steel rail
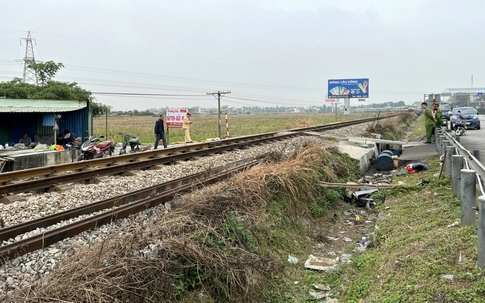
x: 46, y: 177
x: 102, y: 162
x: 125, y: 205
x: 13, y: 231
x: 152, y: 196
x: 120, y: 167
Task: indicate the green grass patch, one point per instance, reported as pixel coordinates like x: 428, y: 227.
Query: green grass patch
x: 207, y: 126
x: 416, y: 248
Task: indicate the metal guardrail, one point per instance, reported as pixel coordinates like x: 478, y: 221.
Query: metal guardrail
x: 471, y: 161
x: 466, y: 173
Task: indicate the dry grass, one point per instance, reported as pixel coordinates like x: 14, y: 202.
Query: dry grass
x: 209, y: 247
x: 391, y: 128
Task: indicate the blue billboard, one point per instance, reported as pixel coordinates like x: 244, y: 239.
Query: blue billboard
x: 348, y: 88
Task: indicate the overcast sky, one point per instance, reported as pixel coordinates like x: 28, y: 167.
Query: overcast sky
x: 268, y: 52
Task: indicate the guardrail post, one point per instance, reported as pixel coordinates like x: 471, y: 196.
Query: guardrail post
x: 468, y: 196
x: 440, y: 151
x: 444, y: 144
x: 456, y: 166
x: 437, y: 138
x: 476, y: 154
x: 481, y: 235
x: 450, y: 151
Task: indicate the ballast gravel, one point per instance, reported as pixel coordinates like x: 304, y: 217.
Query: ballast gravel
x: 24, y: 270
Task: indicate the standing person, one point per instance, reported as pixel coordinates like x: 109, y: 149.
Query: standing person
x: 438, y: 115
x: 186, y: 127
x: 25, y: 140
x: 159, y: 132
x: 429, y: 122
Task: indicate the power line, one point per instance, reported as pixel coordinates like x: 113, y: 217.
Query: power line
x: 145, y: 94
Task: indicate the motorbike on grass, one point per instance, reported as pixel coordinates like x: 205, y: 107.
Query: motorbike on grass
x: 134, y: 144
x: 91, y: 149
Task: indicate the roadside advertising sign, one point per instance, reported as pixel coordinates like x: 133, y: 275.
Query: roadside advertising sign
x: 361, y: 100
x: 330, y: 100
x: 348, y: 88
x: 175, y: 116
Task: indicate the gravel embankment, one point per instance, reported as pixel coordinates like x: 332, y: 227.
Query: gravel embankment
x: 30, y: 267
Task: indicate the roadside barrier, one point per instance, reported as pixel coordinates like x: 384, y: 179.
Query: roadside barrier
x: 467, y: 174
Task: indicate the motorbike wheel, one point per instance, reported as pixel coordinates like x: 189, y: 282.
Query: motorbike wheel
x: 80, y: 158
x: 137, y: 149
x: 122, y: 152
x: 459, y: 130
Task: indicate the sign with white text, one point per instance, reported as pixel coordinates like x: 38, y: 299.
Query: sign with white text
x: 348, y: 88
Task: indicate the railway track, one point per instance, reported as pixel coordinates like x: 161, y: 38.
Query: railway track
x: 44, y: 178
x: 107, y: 211
x: 44, y: 229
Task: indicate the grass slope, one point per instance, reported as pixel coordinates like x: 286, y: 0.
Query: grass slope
x: 416, y: 248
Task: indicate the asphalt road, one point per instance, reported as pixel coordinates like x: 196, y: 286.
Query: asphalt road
x: 474, y: 139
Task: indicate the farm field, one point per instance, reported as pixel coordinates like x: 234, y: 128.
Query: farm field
x: 206, y: 126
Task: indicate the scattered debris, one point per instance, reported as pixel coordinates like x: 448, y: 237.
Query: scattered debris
x: 353, y: 185
x: 377, y: 178
x: 456, y: 223
x: 347, y: 239
x: 423, y: 182
x: 345, y: 258
x: 318, y: 263
x: 292, y: 260
x: 324, y: 293
x: 318, y: 294
x: 448, y: 277
x: 322, y: 287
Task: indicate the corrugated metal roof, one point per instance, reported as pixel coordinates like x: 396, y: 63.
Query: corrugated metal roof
x: 40, y: 106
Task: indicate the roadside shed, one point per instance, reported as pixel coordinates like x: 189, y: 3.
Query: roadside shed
x: 40, y: 118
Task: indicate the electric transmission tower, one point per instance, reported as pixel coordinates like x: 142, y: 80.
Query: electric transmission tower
x: 29, y: 74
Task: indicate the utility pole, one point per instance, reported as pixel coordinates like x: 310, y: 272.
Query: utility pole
x: 219, y: 94
x: 29, y: 74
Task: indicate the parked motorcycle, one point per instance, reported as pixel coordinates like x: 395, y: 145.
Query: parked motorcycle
x: 134, y: 144
x: 460, y: 125
x: 91, y: 149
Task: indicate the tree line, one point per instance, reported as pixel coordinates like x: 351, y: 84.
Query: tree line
x: 47, y: 88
